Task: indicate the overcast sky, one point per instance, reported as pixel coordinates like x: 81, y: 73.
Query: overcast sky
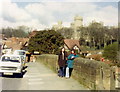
x: 42, y: 14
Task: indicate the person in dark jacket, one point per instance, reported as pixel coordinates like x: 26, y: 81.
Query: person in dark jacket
x: 62, y: 62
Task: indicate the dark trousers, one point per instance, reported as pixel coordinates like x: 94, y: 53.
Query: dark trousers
x: 70, y: 71
x: 61, y: 72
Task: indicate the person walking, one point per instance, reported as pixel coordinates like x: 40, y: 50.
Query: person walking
x: 70, y: 62
x: 62, y: 62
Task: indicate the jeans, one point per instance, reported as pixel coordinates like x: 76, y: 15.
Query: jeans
x: 62, y: 71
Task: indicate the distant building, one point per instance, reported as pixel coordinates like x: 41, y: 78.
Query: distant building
x: 70, y: 44
x: 2, y: 37
x: 33, y: 33
x: 58, y: 26
x: 75, y: 25
x: 14, y: 43
x: 95, y: 57
x: 78, y: 22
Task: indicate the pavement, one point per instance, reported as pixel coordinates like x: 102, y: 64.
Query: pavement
x: 40, y: 77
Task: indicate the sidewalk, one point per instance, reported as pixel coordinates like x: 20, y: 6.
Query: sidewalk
x: 41, y: 77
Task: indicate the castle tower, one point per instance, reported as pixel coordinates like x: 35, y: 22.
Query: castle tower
x: 78, y: 22
x: 58, y: 26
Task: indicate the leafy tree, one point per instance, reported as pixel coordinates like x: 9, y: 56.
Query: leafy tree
x: 66, y: 32
x: 111, y: 52
x: 82, y: 41
x: 21, y: 31
x: 95, y: 35
x: 46, y: 41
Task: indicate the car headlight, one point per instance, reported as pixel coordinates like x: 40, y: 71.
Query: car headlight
x: 19, y: 67
x: 0, y: 67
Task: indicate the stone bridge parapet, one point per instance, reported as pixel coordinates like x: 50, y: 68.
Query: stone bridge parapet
x: 93, y: 74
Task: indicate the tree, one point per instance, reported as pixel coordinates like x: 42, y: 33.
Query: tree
x: 111, y: 52
x: 21, y: 31
x: 82, y: 41
x: 95, y: 35
x: 66, y: 32
x: 46, y: 41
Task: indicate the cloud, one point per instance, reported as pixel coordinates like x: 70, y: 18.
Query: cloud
x: 14, y: 13
x: 108, y: 15
x: 91, y: 0
x: 44, y: 14
x: 64, y: 0
x: 13, y: 16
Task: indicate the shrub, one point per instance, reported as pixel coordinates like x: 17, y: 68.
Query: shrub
x: 111, y: 52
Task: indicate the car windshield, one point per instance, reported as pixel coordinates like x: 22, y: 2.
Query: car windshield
x: 19, y: 53
x: 10, y: 59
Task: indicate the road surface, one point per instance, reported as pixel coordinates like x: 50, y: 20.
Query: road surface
x: 39, y: 77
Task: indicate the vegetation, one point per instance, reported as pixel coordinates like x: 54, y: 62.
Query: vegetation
x: 66, y: 32
x: 111, y: 53
x: 95, y: 35
x: 46, y: 41
x: 21, y: 31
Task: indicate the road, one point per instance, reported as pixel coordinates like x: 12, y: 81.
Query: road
x: 39, y: 77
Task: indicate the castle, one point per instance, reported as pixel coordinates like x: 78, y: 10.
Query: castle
x: 57, y: 26
x: 76, y: 24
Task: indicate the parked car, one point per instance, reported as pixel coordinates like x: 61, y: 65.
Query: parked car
x: 11, y: 65
x: 22, y: 53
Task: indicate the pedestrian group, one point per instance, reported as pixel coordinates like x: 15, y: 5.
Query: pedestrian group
x: 65, y: 63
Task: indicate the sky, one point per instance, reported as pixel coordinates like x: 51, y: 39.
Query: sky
x: 42, y: 14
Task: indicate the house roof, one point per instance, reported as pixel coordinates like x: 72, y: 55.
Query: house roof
x: 15, y: 43
x: 95, y: 56
x: 33, y: 33
x: 70, y: 43
x: 23, y: 40
x: 18, y: 40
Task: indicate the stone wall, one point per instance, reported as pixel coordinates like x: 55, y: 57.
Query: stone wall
x: 50, y: 60
x: 93, y: 74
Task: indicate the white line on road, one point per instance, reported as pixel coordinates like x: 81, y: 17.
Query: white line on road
x: 33, y: 83
x: 38, y: 79
x: 38, y: 76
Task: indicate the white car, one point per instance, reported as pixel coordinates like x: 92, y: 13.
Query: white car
x: 11, y: 64
x: 22, y: 53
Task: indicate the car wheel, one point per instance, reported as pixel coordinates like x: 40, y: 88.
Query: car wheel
x: 18, y: 75
x: 1, y: 74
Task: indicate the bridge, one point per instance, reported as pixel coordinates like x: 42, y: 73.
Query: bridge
x: 42, y: 75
